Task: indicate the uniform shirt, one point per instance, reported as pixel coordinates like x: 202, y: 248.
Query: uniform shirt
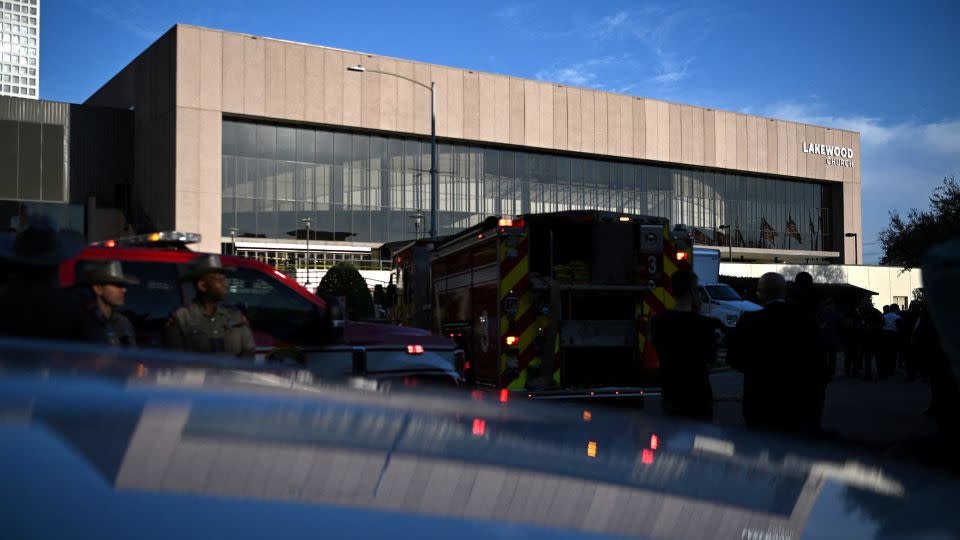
x: 225, y: 332
x: 115, y: 330
x: 891, y: 322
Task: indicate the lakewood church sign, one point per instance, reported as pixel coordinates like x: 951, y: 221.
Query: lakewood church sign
x: 836, y: 155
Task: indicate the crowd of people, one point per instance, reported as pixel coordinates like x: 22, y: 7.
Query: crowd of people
x: 790, y: 350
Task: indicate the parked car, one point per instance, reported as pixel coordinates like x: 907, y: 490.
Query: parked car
x: 125, y: 447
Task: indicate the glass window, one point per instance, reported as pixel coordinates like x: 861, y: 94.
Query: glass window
x: 266, y: 141
x: 306, y: 145
x: 286, y: 144
x: 150, y: 303
x: 271, y: 306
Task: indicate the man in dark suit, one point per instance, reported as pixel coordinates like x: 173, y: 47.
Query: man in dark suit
x: 776, y: 349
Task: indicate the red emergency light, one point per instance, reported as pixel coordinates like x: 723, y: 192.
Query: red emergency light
x: 110, y: 243
x: 505, y: 222
x: 512, y: 340
x: 414, y: 349
x: 504, y: 395
x: 654, y: 442
x: 647, y: 456
x: 479, y: 427
x: 683, y: 256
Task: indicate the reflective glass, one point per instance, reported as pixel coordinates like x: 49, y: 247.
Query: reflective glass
x: 371, y: 188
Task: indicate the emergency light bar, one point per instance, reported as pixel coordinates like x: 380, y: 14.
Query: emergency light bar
x: 154, y: 239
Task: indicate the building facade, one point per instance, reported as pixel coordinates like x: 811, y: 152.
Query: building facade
x: 244, y: 138
x: 20, y: 48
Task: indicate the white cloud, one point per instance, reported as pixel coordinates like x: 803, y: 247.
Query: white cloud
x: 901, y: 162
x: 573, y: 75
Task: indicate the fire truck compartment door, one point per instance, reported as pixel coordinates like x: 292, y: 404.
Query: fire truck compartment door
x: 597, y: 333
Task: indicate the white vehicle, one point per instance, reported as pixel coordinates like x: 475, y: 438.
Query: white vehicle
x: 720, y: 301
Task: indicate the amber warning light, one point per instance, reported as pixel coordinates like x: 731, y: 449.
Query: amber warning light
x: 683, y: 256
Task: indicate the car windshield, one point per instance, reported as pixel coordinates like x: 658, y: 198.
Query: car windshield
x: 722, y: 292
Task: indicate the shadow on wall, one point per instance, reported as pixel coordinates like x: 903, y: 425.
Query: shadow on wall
x: 822, y: 273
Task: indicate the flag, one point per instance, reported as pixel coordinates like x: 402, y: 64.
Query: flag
x: 792, y: 231
x: 767, y: 233
x: 813, y: 233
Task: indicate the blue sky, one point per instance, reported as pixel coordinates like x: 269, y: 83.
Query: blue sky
x: 889, y: 70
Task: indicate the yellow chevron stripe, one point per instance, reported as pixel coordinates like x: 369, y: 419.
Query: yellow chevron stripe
x: 510, y: 280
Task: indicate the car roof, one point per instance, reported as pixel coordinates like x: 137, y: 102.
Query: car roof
x: 148, y: 439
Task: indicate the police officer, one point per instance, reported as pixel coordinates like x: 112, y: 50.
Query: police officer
x: 108, y: 284
x: 206, y: 325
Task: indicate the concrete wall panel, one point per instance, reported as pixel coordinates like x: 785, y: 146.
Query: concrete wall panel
x: 663, y: 131
x: 651, y: 111
x: 709, y: 138
x: 762, y: 154
x: 794, y: 154
x: 698, y: 140
x: 471, y: 105
x: 295, y: 72
x: 560, y: 127
x: 439, y: 76
x: 370, y: 93
x: 601, y: 130
x: 313, y: 102
x: 333, y: 85
x: 574, y: 119
x: 626, y: 126
x: 518, y: 113
x: 675, y: 150
x: 545, y: 91
x: 531, y: 113
x: 210, y: 133
x: 388, y: 95
x: 639, y: 127
x: 743, y: 143
x: 686, y: 134
x: 487, y: 115
x: 588, y: 131
x: 753, y: 143
x: 421, y: 99
x: 233, y: 72
x: 614, y: 124
x: 731, y: 126
x: 454, y: 81
x: 773, y: 144
x: 276, y: 96
x: 501, y: 103
x: 353, y: 87
x: 253, y: 76
x: 187, y: 149
x: 211, y: 70
x: 405, y: 100
x: 188, y: 66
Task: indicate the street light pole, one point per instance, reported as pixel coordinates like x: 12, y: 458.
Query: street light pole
x: 306, y: 225
x: 729, y: 241
x: 856, y: 255
x: 434, y: 177
x: 233, y: 239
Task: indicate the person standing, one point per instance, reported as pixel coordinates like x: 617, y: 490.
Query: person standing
x: 892, y: 322
x: 206, y: 325
x: 34, y: 304
x: 776, y: 349
x: 109, y: 284
x: 686, y: 344
x: 872, y: 335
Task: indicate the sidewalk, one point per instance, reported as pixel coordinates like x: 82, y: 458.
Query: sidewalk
x: 876, y: 413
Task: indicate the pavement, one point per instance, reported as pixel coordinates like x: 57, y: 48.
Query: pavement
x: 880, y: 415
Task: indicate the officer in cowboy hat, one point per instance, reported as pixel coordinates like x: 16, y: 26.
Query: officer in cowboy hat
x: 33, y: 303
x: 206, y: 325
x: 109, y: 284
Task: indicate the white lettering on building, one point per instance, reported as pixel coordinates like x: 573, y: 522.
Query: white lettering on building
x: 831, y: 152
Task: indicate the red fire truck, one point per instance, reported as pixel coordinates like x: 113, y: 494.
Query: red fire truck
x: 553, y: 303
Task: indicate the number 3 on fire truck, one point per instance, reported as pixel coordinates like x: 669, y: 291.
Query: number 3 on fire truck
x: 652, y: 264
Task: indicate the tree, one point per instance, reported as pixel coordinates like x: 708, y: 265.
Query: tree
x: 345, y: 280
x: 905, y: 240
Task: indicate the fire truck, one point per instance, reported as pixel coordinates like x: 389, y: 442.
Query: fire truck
x: 552, y: 304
